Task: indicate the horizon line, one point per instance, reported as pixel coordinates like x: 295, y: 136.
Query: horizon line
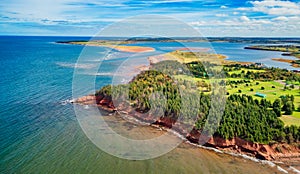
x: 13, y: 35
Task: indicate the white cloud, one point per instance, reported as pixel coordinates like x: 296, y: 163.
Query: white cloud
x: 274, y: 7
x: 166, y: 1
x: 256, y: 27
x: 281, y: 18
x: 198, y: 23
x: 274, y: 3
x: 245, y: 18
x: 221, y: 15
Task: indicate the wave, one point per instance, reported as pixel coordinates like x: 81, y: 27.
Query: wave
x: 101, y: 74
x: 76, y: 65
x: 110, y: 74
x: 68, y: 101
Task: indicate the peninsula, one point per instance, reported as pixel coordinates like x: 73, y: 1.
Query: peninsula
x: 288, y: 50
x: 260, y: 103
x: 117, y: 45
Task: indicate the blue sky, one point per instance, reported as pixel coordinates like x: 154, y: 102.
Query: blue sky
x: 270, y: 18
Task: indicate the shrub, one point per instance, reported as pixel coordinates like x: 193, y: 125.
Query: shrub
x: 251, y: 89
x: 257, y: 83
x: 273, y: 86
x: 240, y: 91
x: 262, y: 88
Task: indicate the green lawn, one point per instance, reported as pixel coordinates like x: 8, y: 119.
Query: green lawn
x: 290, y: 120
x: 296, y: 114
x: 190, y: 78
x: 272, y: 93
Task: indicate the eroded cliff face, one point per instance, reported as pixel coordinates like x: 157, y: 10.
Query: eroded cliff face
x: 102, y: 101
x: 276, y: 151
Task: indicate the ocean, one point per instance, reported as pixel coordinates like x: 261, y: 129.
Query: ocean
x: 40, y: 132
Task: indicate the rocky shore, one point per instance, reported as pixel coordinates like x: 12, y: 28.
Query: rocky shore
x: 272, y: 152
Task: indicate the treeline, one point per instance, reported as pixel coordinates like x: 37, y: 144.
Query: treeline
x: 284, y: 103
x: 267, y: 74
x: 252, y: 120
x: 243, y: 116
x: 196, y: 69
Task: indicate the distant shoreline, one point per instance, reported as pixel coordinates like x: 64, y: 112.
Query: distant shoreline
x: 233, y: 39
x: 287, y: 50
x: 292, y: 62
x: 116, y: 45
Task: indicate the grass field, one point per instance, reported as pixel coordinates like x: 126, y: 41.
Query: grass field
x: 271, y: 95
x: 290, y: 120
x: 272, y: 89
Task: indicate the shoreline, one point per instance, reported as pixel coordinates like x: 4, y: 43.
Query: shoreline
x: 248, y: 150
x: 292, y: 62
x: 113, y: 45
x: 253, y: 149
x: 281, y: 166
x: 235, y: 145
x: 266, y: 48
x: 176, y: 56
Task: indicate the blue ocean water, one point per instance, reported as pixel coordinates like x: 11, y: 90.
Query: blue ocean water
x: 39, y: 133
x: 233, y: 51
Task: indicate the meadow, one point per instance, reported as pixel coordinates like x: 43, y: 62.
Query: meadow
x: 272, y: 90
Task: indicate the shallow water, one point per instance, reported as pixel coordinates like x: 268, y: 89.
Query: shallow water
x: 40, y: 134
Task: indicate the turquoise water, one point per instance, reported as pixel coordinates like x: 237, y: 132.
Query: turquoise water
x: 40, y: 134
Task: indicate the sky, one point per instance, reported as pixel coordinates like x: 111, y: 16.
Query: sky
x: 240, y: 18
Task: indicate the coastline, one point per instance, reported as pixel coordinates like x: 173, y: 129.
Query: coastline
x: 178, y: 56
x: 292, y: 62
x: 113, y: 45
x: 285, y: 52
x: 284, y: 166
x: 235, y: 145
x: 260, y: 153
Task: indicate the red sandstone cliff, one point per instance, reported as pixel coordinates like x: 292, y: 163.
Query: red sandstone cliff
x: 276, y: 151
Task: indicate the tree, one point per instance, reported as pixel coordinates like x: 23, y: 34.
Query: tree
x: 292, y: 86
x: 277, y: 107
x: 289, y: 108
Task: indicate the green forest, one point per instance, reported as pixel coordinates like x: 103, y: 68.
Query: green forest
x: 255, y: 120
